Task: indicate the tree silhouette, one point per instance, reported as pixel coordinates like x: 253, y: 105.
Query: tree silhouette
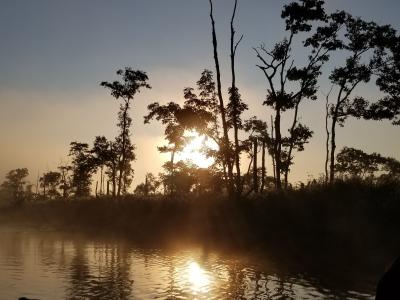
x: 199, y: 113
x: 388, y: 72
x: 15, y: 183
x: 206, y: 103
x: 132, y: 82
x: 179, y: 177
x: 258, y: 136
x: 279, y: 69
x: 177, y: 119
x: 235, y: 106
x: 50, y: 181
x: 65, y: 180
x: 169, y: 115
x: 299, y: 136
x: 101, y: 156
x: 356, y: 163
x: 149, y: 187
x: 392, y: 167
x: 225, y: 149
x: 366, y: 43
x: 83, y: 167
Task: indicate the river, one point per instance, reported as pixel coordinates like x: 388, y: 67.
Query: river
x: 47, y: 264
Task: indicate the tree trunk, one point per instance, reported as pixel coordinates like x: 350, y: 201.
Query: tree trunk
x: 255, y: 174
x: 327, y: 139
x: 263, y: 171
x: 278, y: 149
x: 273, y: 153
x: 235, y: 100
x: 114, y: 181
x: 171, y: 188
x: 225, y: 175
x: 333, y: 136
x: 221, y: 105
x: 250, y: 165
x: 123, y: 150
x: 146, y: 186
x: 291, y: 144
x: 37, y: 186
x: 333, y: 148
x: 101, y: 180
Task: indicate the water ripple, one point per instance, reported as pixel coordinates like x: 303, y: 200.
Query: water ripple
x: 47, y: 265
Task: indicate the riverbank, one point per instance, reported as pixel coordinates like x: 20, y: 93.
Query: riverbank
x: 349, y: 215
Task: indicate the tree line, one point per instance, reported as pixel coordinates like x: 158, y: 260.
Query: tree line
x: 365, y: 53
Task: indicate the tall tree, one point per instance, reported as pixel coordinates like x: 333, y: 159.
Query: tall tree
x: 226, y: 149
x: 235, y: 106
x: 132, y: 82
x: 279, y: 69
x: 365, y: 43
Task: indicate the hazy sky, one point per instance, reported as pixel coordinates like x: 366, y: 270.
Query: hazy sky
x: 54, y: 54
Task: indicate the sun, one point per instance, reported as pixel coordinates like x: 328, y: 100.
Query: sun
x: 193, y: 150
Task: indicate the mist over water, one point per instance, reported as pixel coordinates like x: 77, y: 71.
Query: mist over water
x: 54, y: 265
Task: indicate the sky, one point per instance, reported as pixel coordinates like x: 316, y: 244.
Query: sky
x: 54, y: 54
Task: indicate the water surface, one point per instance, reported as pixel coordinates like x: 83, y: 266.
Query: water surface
x: 55, y: 265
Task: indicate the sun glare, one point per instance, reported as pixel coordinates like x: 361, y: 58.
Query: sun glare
x: 198, y: 279
x: 193, y: 150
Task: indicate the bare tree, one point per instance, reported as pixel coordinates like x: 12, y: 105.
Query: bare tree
x: 226, y: 143
x: 235, y: 106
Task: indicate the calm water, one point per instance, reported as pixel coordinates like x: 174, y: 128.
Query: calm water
x: 52, y: 265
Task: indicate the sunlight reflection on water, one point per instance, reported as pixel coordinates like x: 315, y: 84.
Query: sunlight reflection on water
x: 197, y: 278
x: 50, y: 265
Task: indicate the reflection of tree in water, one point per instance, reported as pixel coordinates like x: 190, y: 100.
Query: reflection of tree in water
x: 236, y: 284
x: 284, y: 288
x: 48, y: 251
x: 260, y: 285
x: 101, y: 273
x: 246, y: 283
x: 171, y: 290
x: 79, y: 273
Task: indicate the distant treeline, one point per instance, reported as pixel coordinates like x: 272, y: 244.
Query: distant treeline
x: 366, y: 53
x: 352, y: 164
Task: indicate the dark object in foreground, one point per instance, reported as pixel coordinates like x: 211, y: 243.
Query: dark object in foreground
x: 388, y: 286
